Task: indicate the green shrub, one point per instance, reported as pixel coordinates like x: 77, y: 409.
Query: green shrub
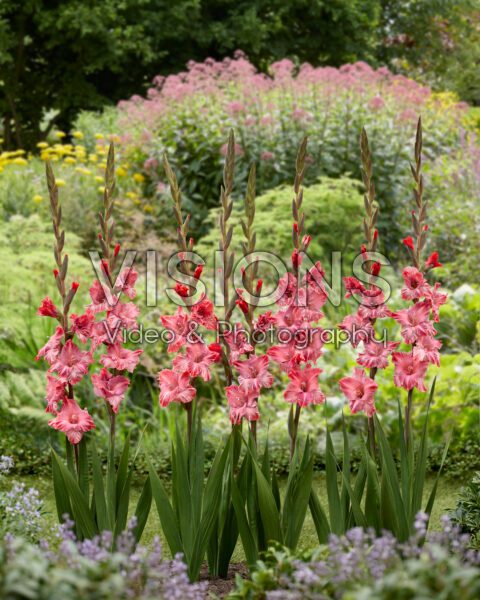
x: 467, y: 513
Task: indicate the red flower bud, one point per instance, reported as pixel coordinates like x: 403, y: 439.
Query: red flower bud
x: 100, y: 236
x: 375, y: 234
x: 409, y: 243
x: 296, y: 259
x: 55, y: 273
x: 75, y: 285
x: 240, y: 302
x: 376, y: 268
x: 295, y: 226
x: 117, y: 250
x: 181, y: 290
x: 198, y: 271
x: 425, y: 228
x: 432, y: 261
x: 259, y: 285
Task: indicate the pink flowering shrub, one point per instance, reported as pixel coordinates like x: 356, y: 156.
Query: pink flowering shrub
x: 189, y: 114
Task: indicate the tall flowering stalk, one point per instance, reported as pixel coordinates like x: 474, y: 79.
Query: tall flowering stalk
x: 361, y: 386
x: 65, y: 358
x: 418, y: 330
x: 299, y: 301
x: 102, y: 511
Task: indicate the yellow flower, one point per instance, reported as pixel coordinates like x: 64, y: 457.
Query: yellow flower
x: 19, y: 161
x: 137, y: 201
x: 99, y: 179
x: 92, y: 157
x: 61, y: 182
x: 54, y: 158
x: 99, y: 136
x: 70, y: 161
x: 101, y: 189
x: 139, y: 177
x: 100, y: 149
x: 60, y: 134
x: 131, y: 195
x: 78, y: 135
x: 147, y: 208
x: 37, y: 198
x: 121, y: 172
x: 82, y: 170
x: 42, y: 145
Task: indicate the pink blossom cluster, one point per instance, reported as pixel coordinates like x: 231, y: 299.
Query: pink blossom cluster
x: 417, y: 331
x: 69, y: 363
x: 177, y: 384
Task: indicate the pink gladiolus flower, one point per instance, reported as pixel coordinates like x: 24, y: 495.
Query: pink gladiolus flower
x: 52, y: 348
x: 72, y: 363
x: 409, y: 371
x: 426, y: 349
x: 287, y: 356
x: 253, y: 372
x: 196, y: 361
x: 303, y: 388
x: 315, y: 277
x: 216, y: 350
x: 237, y: 341
x: 55, y: 394
x: 182, y: 331
x: 48, y: 308
x: 265, y: 321
x: 414, y: 322
x: 125, y: 282
x: 120, y: 358
x: 126, y: 313
x: 435, y: 299
x: 287, y: 290
x: 111, y: 387
x: 102, y: 297
x: 72, y: 420
x: 203, y: 314
x: 353, y: 286
x: 373, y: 304
x: 243, y: 404
x: 375, y: 354
x: 290, y: 317
x: 359, y: 390
x: 415, y: 286
x: 175, y: 387
x: 82, y: 325
x: 358, y: 328
x: 102, y: 333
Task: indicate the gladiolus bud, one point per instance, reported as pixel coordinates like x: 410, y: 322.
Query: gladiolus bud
x: 198, y: 271
x: 242, y: 305
x: 296, y: 259
x: 55, y: 273
x: 306, y: 241
x: 75, y: 285
x: 409, y: 243
x: 425, y: 228
x: 432, y: 261
x: 100, y: 236
x: 181, y: 290
x: 117, y: 250
x: 376, y: 268
x: 259, y: 285
x: 375, y: 234
x: 295, y: 226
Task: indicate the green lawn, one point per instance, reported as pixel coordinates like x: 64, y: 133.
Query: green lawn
x: 447, y: 493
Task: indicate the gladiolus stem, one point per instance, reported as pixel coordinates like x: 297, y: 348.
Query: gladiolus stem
x: 371, y: 431
x: 408, y: 413
x: 293, y: 437
x: 188, y: 408
x: 75, y: 452
x: 253, y: 428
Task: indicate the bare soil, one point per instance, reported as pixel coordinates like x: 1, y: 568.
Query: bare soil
x: 222, y: 587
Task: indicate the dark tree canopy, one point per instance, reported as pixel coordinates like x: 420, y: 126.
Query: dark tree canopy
x: 60, y: 56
